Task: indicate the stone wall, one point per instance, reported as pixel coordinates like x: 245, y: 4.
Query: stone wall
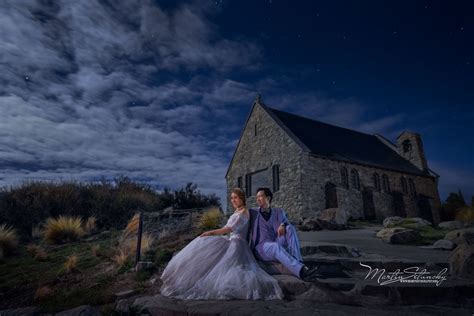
x: 317, y: 171
x: 271, y: 146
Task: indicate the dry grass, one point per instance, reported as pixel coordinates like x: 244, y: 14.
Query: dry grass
x: 210, y: 219
x: 90, y: 225
x: 120, y: 258
x: 37, y: 252
x: 70, y: 265
x: 132, y: 227
x: 95, y: 249
x: 8, y: 239
x: 466, y: 215
x: 42, y: 293
x: 63, y: 229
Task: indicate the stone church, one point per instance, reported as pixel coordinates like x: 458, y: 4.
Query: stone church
x: 311, y: 166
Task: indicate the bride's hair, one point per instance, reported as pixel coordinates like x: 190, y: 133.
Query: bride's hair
x: 241, y: 194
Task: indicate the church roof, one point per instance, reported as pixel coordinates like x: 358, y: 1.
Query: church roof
x: 339, y: 143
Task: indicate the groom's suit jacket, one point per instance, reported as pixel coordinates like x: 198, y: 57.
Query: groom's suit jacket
x: 278, y: 217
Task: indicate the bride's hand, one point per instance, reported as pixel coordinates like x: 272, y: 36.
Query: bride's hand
x: 205, y: 234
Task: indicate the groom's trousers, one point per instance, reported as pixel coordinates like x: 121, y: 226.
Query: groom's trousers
x: 286, y: 250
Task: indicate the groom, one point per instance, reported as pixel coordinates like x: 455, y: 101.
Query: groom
x: 273, y: 238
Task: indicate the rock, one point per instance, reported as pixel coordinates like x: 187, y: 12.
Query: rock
x: 24, y: 311
x: 105, y: 234
x: 392, y: 221
x: 451, y: 225
x: 443, y: 244
x: 461, y: 236
x: 332, y: 218
x: 398, y: 235
x: 462, y: 261
x: 144, y: 265
x: 84, y: 310
x: 125, y: 294
x: 416, y: 222
x: 291, y: 285
x: 122, y: 307
x: 329, y: 249
x: 309, y: 225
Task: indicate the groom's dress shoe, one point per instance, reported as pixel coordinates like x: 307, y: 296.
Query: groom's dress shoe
x: 310, y: 274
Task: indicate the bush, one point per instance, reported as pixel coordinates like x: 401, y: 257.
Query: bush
x: 210, y: 219
x: 162, y: 257
x: 63, y: 229
x: 466, y: 215
x: 71, y: 264
x: 8, y: 239
x: 111, y: 203
x: 90, y: 225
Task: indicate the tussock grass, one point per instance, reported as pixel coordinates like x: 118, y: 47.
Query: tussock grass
x: 63, y: 229
x: 210, y: 219
x: 8, y: 239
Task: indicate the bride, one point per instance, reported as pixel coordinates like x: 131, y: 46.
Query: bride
x: 213, y: 266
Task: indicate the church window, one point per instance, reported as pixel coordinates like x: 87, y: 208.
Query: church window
x: 355, y: 179
x: 344, y: 178
x: 376, y: 181
x: 385, y: 184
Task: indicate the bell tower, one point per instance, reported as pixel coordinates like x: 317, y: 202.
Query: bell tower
x: 410, y: 146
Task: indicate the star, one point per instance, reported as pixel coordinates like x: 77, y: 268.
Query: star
x: 462, y: 28
x: 27, y: 78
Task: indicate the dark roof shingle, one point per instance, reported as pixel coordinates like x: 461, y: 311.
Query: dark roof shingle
x: 340, y: 143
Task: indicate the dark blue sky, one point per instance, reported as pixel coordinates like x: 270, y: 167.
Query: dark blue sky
x: 160, y: 90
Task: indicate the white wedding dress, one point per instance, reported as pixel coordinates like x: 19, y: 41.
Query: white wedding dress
x: 219, y: 268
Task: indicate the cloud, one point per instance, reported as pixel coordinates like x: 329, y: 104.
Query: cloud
x: 91, y: 89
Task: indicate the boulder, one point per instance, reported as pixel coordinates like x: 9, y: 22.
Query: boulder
x: 443, y: 244
x: 462, y: 261
x: 80, y: 311
x: 398, y: 235
x: 332, y: 218
x: 122, y: 307
x: 416, y: 223
x: 451, y: 225
x: 23, y: 311
x: 392, y: 221
x: 309, y: 225
x: 461, y: 236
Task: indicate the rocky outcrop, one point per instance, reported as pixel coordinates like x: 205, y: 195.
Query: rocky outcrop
x: 451, y: 225
x: 461, y: 236
x: 398, y: 235
x: 332, y: 218
x: 462, y: 261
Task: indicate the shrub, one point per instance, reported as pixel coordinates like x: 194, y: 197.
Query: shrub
x: 71, y: 264
x: 63, y: 229
x: 90, y: 226
x: 95, y: 250
x: 121, y: 258
x: 37, y: 252
x: 162, y: 257
x: 210, y: 219
x: 8, y: 239
x: 466, y: 215
x: 42, y: 293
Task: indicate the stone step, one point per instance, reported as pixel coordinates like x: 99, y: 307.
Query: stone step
x: 365, y: 292
x: 389, y: 264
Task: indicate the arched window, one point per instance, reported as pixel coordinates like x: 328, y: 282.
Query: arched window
x: 385, y: 183
x: 376, y: 179
x: 344, y: 178
x: 406, y: 145
x: 404, y: 185
x: 411, y: 184
x: 355, y: 179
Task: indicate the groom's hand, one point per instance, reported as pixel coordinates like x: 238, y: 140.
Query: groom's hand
x: 281, y: 230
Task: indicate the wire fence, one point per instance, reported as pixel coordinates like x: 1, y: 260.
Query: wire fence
x: 162, y: 223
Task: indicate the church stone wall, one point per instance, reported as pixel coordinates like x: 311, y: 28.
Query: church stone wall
x: 271, y: 146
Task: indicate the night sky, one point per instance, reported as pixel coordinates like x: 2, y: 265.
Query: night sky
x: 159, y: 90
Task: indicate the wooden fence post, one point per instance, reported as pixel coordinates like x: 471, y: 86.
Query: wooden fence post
x: 139, y: 238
